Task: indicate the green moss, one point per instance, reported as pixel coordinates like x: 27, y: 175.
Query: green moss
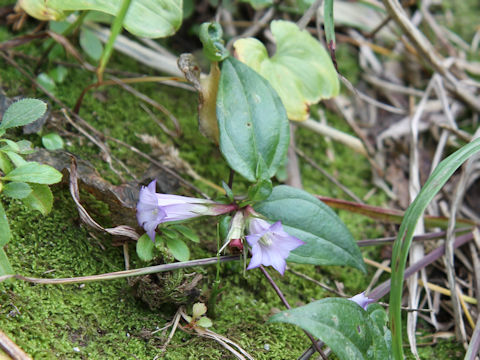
x: 104, y: 320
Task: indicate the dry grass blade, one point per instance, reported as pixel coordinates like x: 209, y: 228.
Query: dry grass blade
x: 428, y: 52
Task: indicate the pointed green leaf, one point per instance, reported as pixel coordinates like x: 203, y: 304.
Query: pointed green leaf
x: 5, y: 164
x: 47, y: 82
x: 145, y: 247
x: 10, y: 145
x: 34, y: 172
x: 328, y: 241
x: 145, y: 18
x: 301, y: 71
x: 178, y: 249
x: 23, y: 112
x: 252, y: 121
x: 5, y: 233
x: 40, y: 199
x: 187, y: 232
x: 17, y: 190
x: 16, y: 159
x: 343, y: 325
x: 91, y: 44
x: 5, y: 267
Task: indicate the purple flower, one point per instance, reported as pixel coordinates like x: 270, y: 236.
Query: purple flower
x: 270, y: 244
x: 362, y: 300
x: 154, y: 209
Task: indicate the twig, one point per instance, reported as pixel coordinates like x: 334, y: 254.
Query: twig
x: 287, y: 305
x: 160, y: 165
x: 322, y: 285
x: 294, y: 178
x: 255, y: 28
x: 328, y: 176
x: 125, y: 273
x: 307, y: 16
x: 12, y: 349
x: 337, y: 135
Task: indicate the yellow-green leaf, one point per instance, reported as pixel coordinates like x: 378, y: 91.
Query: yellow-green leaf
x: 301, y: 70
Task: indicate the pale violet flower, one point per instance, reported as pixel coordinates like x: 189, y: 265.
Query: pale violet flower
x: 154, y: 209
x: 270, y: 244
x: 362, y: 300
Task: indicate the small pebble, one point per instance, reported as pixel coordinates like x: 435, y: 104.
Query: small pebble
x: 76, y: 349
x: 266, y: 347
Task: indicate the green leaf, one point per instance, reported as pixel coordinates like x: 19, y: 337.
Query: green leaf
x: 52, y: 141
x: 260, y: 191
x: 401, y: 246
x: 5, y: 267
x: 145, y: 18
x: 204, y: 322
x: 59, y: 73
x: 5, y: 163
x: 17, y: 190
x: 5, y: 233
x: 224, y: 226
x: 16, y: 159
x: 252, y: 121
x: 40, y: 10
x: 343, y: 325
x: 25, y: 147
x: 91, y: 44
x: 211, y: 36
x: 301, y: 71
x: 47, y: 82
x: 258, y: 4
x: 198, y: 310
x: 187, y: 232
x: 23, y: 112
x: 10, y: 145
x: 34, y: 172
x: 328, y: 241
x: 178, y: 249
x: 40, y: 199
x: 382, y: 334
x: 145, y: 247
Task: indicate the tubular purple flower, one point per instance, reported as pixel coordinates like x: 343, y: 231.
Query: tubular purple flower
x: 362, y: 300
x: 270, y: 244
x: 154, y: 209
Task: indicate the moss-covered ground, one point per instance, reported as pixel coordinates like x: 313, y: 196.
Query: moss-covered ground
x: 104, y: 320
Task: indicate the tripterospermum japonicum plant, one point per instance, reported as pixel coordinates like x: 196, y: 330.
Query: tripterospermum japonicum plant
x: 270, y: 225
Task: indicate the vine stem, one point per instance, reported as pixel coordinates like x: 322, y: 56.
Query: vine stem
x: 287, y: 305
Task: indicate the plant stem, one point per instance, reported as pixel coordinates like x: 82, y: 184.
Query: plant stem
x: 287, y: 305
x: 115, y: 30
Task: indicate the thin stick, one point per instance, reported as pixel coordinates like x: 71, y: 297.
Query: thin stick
x: 125, y: 273
x: 287, y: 305
x: 12, y: 349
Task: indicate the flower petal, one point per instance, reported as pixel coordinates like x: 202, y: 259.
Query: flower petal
x: 256, y: 259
